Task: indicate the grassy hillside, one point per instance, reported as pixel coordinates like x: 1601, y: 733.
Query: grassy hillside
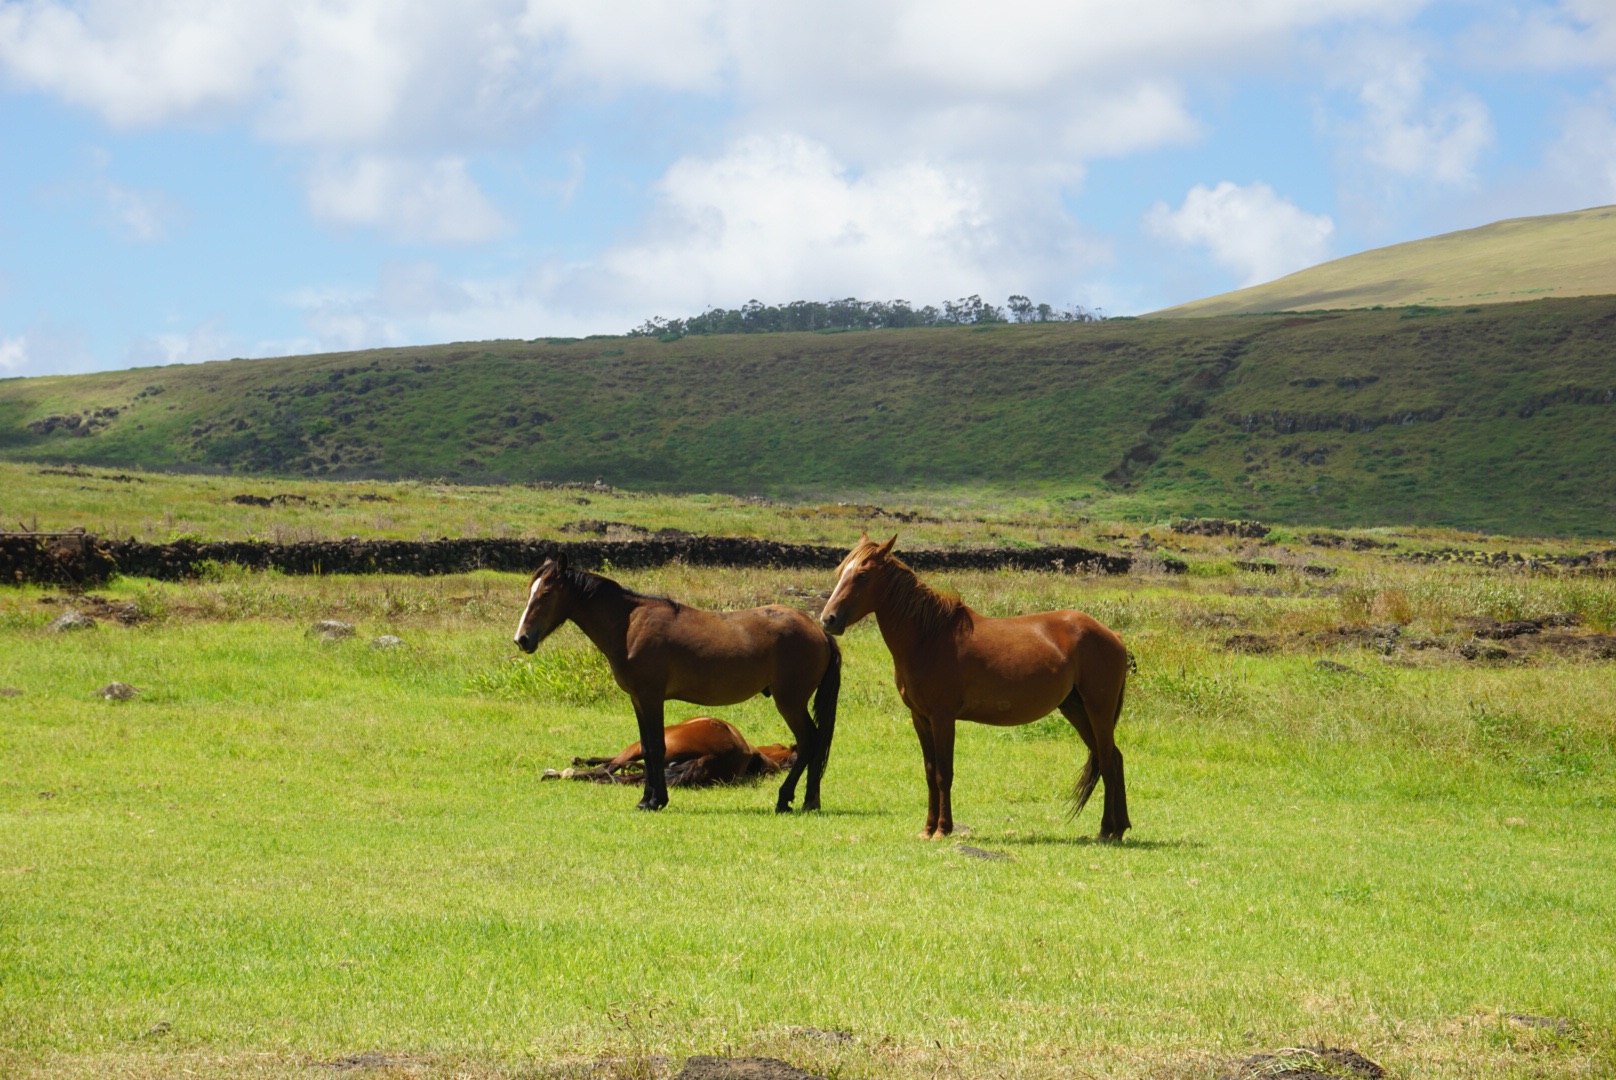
x: 1554, y: 255
x: 1497, y: 417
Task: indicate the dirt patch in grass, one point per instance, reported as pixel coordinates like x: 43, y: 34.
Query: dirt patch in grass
x: 703, y: 1067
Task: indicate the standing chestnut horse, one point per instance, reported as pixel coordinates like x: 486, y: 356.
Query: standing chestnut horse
x: 659, y: 650
x: 955, y: 664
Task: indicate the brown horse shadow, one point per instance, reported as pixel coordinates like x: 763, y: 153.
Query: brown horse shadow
x: 1061, y: 840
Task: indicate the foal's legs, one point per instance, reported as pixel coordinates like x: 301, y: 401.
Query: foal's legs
x: 928, y: 754
x: 653, y: 744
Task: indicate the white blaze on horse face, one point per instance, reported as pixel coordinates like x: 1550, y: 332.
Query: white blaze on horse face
x: 839, y: 593
x: 532, y: 591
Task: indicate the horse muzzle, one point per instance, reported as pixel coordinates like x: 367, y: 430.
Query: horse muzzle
x: 526, y: 642
x: 833, y: 623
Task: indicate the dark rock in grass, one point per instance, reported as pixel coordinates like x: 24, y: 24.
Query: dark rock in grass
x: 331, y: 630
x: 1497, y: 631
x: 69, y: 620
x: 10, y: 691
x: 702, y: 1067
x: 1251, y: 530
x: 1304, y: 1063
x: 1249, y: 643
x: 1339, y: 669
x: 1475, y: 649
x: 386, y: 641
x: 119, y: 691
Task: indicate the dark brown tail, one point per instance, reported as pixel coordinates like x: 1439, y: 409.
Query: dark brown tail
x: 1089, y: 778
x: 830, y: 688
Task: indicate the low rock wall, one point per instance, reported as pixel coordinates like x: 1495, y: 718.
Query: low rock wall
x: 85, y: 559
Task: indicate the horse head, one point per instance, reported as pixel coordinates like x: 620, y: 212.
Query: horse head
x: 856, y: 584
x: 547, y: 604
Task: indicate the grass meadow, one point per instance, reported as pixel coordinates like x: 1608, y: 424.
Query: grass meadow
x: 286, y: 853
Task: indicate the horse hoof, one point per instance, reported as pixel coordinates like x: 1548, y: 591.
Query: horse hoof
x: 645, y: 804
x: 782, y: 808
x: 808, y: 807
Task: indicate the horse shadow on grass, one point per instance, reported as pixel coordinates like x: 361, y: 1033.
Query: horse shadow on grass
x: 769, y: 811
x: 1058, y: 840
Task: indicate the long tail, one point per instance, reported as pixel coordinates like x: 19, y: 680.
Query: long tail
x: 830, y: 688
x: 1090, y: 776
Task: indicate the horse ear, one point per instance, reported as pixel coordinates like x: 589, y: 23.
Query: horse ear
x: 561, y: 562
x: 864, y: 536
x: 886, y: 548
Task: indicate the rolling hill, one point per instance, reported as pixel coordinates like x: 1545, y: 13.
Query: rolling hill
x: 1498, y: 417
x: 1556, y: 255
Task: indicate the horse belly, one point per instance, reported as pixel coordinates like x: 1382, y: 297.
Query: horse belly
x: 1009, y: 688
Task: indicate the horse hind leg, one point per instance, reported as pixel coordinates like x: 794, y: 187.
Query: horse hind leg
x: 1078, y: 717
x: 1105, y: 759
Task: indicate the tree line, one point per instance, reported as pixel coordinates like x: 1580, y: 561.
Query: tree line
x: 756, y: 317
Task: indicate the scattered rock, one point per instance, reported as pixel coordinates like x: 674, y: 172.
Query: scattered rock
x: 10, y: 691
x: 1319, y: 570
x: 702, y: 1067
x: 981, y: 853
x: 118, y: 691
x: 162, y: 1027
x: 1304, y: 1063
x: 1249, y: 643
x: 332, y: 630
x: 1498, y: 631
x: 1475, y: 649
x: 1331, y: 665
x: 1251, y: 530
x: 386, y: 641
x: 71, y: 619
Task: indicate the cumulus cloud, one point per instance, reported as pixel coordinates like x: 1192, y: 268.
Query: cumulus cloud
x: 1249, y: 230
x: 1409, y: 136
x: 13, y: 353
x: 209, y: 341
x: 434, y: 202
x: 780, y: 217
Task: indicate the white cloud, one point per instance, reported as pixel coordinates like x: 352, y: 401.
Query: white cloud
x: 1250, y: 230
x: 780, y: 218
x: 210, y: 341
x: 14, y: 352
x: 1565, y: 36
x: 433, y: 202
x: 1406, y: 135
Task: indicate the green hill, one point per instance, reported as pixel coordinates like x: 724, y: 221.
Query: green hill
x: 1500, y: 417
x: 1554, y: 255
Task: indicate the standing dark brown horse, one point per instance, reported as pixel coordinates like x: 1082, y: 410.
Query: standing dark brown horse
x: 955, y: 664
x: 661, y: 650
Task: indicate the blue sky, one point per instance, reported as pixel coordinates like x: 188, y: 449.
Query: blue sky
x: 184, y: 181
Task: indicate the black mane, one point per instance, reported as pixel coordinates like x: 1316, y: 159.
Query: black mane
x: 592, y: 586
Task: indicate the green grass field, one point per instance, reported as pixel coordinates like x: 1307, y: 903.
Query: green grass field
x: 1493, y: 418
x: 1519, y: 259
x: 287, y: 852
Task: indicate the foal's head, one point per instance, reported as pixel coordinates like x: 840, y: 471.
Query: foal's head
x: 547, y: 603
x: 857, y: 582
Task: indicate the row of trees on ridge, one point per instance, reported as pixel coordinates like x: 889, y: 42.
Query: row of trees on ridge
x: 756, y: 317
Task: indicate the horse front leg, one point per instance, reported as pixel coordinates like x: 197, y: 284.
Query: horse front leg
x: 928, y: 754
x: 942, y: 738
x: 808, y: 757
x: 653, y: 747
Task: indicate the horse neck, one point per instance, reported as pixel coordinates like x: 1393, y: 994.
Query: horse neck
x: 603, y: 617
x: 908, y: 610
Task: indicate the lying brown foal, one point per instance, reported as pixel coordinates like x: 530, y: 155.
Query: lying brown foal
x: 701, y: 751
